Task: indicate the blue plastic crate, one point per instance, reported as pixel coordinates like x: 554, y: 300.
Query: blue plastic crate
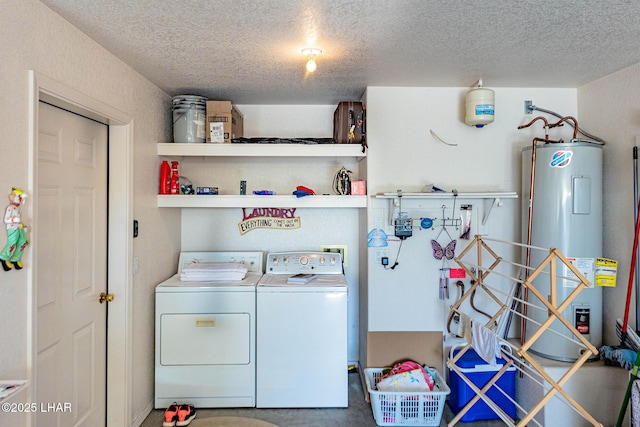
x: 479, y: 373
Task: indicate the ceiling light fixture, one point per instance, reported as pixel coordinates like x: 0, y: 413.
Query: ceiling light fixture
x: 311, y: 58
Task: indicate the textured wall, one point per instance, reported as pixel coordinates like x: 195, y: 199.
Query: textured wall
x: 608, y: 108
x: 34, y: 38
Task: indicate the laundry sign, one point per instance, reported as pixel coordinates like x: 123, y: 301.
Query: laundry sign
x: 275, y: 218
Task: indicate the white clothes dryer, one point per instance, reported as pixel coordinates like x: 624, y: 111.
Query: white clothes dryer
x: 205, y: 336
x: 302, y: 327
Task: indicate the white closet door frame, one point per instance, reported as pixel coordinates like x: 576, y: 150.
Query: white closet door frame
x: 120, y: 240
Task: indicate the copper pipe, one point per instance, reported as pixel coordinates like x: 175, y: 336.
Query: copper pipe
x: 564, y: 119
x: 546, y: 125
x: 532, y: 178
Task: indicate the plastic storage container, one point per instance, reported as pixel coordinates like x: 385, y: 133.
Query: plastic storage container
x: 479, y: 373
x: 189, y: 116
x: 406, y: 408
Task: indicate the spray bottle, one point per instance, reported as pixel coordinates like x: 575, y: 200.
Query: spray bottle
x: 174, y: 187
x: 165, y: 172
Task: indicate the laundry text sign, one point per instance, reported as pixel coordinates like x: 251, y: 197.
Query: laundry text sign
x: 274, y: 218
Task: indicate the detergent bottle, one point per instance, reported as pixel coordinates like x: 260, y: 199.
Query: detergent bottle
x: 174, y: 187
x: 165, y: 172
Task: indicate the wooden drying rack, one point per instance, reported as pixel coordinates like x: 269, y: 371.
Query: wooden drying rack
x: 526, y: 362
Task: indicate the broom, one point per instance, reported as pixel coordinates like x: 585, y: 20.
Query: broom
x: 624, y: 336
x: 632, y: 340
x: 634, y: 257
x: 625, y: 354
x: 625, y: 342
x: 617, y: 355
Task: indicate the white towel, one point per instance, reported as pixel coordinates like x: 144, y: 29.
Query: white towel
x: 485, y: 342
x: 213, y: 272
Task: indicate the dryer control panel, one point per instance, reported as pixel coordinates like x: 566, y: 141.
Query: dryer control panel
x: 252, y: 260
x: 304, y: 262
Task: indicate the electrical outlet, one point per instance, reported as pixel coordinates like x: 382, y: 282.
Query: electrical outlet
x: 338, y: 248
x: 136, y: 265
x: 381, y: 253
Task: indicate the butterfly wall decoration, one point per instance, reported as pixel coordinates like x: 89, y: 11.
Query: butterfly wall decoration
x: 448, y: 251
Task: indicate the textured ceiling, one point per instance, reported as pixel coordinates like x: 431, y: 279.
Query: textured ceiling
x: 249, y: 51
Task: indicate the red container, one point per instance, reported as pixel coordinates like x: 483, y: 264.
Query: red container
x: 174, y: 186
x: 165, y: 172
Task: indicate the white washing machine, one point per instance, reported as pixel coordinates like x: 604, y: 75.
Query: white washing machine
x: 301, y: 339
x: 205, y: 336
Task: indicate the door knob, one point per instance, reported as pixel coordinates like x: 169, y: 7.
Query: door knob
x: 105, y: 297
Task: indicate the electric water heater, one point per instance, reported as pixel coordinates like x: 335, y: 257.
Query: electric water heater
x: 567, y: 215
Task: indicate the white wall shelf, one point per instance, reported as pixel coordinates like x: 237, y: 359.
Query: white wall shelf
x: 251, y: 201
x: 261, y: 150
x: 265, y: 151
x: 496, y: 196
x: 469, y: 195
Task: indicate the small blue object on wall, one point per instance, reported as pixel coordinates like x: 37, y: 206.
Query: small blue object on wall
x: 426, y: 223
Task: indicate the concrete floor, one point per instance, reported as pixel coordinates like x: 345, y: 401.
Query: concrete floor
x: 358, y: 414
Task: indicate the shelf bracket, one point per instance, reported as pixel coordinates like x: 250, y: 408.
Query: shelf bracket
x: 496, y: 202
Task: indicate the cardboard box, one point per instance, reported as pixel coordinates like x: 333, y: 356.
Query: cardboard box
x: 224, y: 122
x: 387, y: 348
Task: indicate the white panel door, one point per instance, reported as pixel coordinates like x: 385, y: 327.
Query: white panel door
x: 71, y: 259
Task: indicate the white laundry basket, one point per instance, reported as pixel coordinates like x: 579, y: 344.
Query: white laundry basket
x: 406, y: 408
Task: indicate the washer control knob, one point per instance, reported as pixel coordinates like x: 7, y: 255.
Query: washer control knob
x: 322, y: 260
x: 304, y: 260
x: 332, y: 260
x: 286, y: 260
x: 276, y: 260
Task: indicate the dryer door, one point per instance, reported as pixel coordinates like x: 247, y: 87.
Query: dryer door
x: 205, y: 339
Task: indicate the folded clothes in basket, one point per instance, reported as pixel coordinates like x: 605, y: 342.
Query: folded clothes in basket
x: 407, y: 376
x: 213, y: 272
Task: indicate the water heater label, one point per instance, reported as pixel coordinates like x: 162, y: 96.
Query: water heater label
x: 606, y: 272
x: 582, y: 319
x: 484, y: 110
x: 585, y: 266
x: 561, y: 159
